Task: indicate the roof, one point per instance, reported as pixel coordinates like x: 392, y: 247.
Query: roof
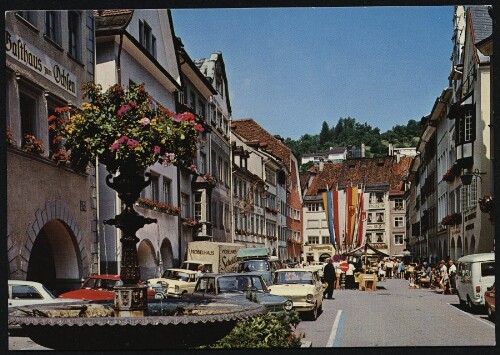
x: 252, y: 253
x: 112, y: 19
x: 384, y: 173
x: 248, y: 129
x: 304, y: 178
x: 477, y: 257
x: 332, y: 150
x: 481, y: 21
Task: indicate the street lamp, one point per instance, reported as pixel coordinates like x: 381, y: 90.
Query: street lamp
x: 466, y: 177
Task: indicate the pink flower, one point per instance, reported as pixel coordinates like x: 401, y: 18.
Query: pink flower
x: 114, y: 147
x: 188, y: 116
x: 145, y: 121
x: 132, y: 103
x: 132, y: 143
x: 156, y: 149
x: 123, y: 109
x: 199, y: 128
x: 178, y: 118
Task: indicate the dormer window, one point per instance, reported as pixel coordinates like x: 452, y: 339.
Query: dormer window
x: 146, y: 38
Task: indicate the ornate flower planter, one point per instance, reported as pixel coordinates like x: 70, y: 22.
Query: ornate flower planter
x: 176, y: 324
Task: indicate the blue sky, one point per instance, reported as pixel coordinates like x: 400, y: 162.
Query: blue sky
x: 291, y: 69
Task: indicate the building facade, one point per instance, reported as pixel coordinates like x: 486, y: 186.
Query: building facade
x: 51, y: 214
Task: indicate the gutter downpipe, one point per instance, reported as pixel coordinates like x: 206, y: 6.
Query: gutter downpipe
x: 179, y: 220
x: 118, y: 60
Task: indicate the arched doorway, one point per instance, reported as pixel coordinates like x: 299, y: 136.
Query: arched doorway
x: 324, y: 256
x: 55, y: 260
x: 453, y: 252
x: 440, y: 251
x: 459, y: 248
x: 167, y: 256
x: 472, y: 248
x: 147, y: 260
x: 446, y: 253
x: 466, y: 247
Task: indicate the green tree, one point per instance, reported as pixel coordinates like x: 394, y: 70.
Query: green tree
x: 324, y: 135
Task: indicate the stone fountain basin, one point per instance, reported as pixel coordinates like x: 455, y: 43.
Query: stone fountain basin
x: 172, y: 324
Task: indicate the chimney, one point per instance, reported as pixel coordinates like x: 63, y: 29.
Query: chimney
x: 363, y: 150
x: 391, y: 150
x: 321, y: 164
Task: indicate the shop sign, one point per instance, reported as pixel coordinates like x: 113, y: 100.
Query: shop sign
x: 320, y: 247
x: 36, y: 60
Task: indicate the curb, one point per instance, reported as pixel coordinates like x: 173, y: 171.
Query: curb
x: 305, y: 344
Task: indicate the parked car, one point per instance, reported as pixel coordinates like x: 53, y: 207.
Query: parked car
x: 175, y: 282
x: 98, y: 288
x: 241, y: 286
x: 303, y: 286
x: 475, y: 273
x: 25, y: 293
x: 489, y: 301
x: 318, y: 266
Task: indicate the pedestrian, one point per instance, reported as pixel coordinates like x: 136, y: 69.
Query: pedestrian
x: 349, y: 276
x: 330, y: 278
x: 443, y: 273
x: 201, y: 270
x: 396, y: 269
x: 381, y: 271
x: 401, y: 270
x: 388, y: 268
x: 452, y: 273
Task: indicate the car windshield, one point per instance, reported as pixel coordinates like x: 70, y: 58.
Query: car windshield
x: 240, y: 283
x: 488, y: 268
x: 253, y: 265
x: 99, y: 284
x: 177, y: 275
x: 293, y: 277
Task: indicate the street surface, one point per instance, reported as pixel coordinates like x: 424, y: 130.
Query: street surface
x: 392, y: 316
x: 396, y: 315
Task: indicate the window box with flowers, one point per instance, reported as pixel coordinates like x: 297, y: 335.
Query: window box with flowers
x: 189, y: 222
x: 158, y: 206
x: 9, y: 137
x: 210, y: 179
x: 32, y: 145
x: 451, y: 173
x: 452, y: 219
x: 487, y: 205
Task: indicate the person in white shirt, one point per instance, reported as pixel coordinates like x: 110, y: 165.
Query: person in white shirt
x: 349, y: 276
x: 388, y: 267
x: 452, y: 272
x: 443, y: 272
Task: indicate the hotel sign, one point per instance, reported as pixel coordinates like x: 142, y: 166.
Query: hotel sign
x: 36, y: 60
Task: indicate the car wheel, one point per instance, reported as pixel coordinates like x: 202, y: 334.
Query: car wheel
x: 314, y: 313
x: 470, y: 305
x: 491, y: 315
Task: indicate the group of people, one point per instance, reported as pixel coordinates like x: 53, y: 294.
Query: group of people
x: 441, y: 277
x: 330, y: 277
x: 390, y: 268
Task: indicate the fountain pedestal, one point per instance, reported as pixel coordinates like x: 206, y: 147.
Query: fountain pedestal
x: 131, y: 301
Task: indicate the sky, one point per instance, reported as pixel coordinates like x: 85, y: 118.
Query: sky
x: 291, y: 69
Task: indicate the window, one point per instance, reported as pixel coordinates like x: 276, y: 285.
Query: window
x: 313, y: 239
x: 214, y: 164
x: 213, y: 213
x: 220, y: 174
x: 398, y: 203
x: 398, y: 239
x: 379, y: 217
x: 473, y: 193
x: 155, y: 188
x: 399, y: 222
x: 166, y: 191
x: 270, y: 176
x: 325, y: 240
x: 313, y: 207
x: 74, y: 34
x: 29, y: 16
x: 53, y: 26
x: 23, y: 292
x: 184, y: 205
x: 28, y: 107
x: 197, y: 206
x: 200, y: 108
x: 368, y: 237
x: 146, y: 38
x: 380, y: 237
x: 226, y: 173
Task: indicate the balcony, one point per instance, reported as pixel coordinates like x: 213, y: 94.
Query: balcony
x: 203, y: 231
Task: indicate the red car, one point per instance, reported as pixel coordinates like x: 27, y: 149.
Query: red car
x: 98, y: 288
x: 489, y: 300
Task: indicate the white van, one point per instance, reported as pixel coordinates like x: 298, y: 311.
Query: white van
x: 475, y: 273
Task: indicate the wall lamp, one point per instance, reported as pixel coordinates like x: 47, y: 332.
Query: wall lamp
x: 466, y: 177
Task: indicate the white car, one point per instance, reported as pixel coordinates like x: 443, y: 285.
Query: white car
x: 26, y: 293
x: 175, y: 281
x: 302, y: 286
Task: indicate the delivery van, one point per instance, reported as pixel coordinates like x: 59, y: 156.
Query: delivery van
x: 475, y: 273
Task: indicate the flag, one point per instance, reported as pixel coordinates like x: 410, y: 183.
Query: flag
x: 361, y: 219
x: 328, y: 203
x: 339, y: 215
x: 352, y: 202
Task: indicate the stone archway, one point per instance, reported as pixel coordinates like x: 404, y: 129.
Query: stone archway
x: 446, y: 254
x: 167, y: 255
x: 472, y: 248
x: 459, y: 248
x: 54, y: 259
x: 147, y: 260
x: 453, y: 251
x: 466, y: 247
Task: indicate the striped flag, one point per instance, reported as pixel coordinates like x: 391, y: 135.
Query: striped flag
x: 328, y: 203
x: 352, y: 204
x: 361, y: 217
x: 339, y: 200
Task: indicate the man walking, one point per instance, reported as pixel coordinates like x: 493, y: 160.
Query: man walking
x: 330, y: 279
x: 452, y: 272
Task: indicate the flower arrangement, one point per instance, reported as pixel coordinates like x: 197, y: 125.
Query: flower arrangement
x: 210, y: 178
x: 9, y: 137
x: 189, y: 222
x: 32, y: 145
x: 61, y: 157
x: 158, y: 206
x: 487, y: 205
x: 451, y: 173
x: 452, y: 219
x: 124, y: 127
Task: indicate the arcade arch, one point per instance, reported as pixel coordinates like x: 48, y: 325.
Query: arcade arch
x: 147, y: 260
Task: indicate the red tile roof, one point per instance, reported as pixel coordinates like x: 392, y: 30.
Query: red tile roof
x: 373, y: 171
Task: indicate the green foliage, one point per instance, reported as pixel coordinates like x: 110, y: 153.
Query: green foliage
x: 349, y: 132
x: 268, y: 331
